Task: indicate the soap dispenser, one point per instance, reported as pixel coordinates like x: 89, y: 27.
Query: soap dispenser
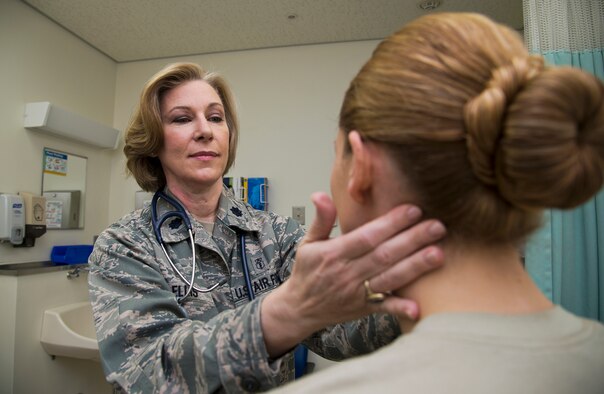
x: 12, y: 219
x: 35, y: 218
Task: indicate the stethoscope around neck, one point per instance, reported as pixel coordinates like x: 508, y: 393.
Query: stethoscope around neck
x: 180, y: 213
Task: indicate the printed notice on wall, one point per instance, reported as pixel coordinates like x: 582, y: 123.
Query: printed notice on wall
x: 54, y: 214
x: 55, y: 162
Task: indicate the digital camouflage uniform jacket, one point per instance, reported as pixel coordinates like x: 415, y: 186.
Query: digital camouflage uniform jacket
x: 213, y: 342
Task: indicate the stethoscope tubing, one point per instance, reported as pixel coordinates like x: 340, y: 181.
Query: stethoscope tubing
x: 246, y: 272
x: 182, y: 277
x: 182, y: 214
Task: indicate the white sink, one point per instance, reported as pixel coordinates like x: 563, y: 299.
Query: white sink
x: 69, y: 331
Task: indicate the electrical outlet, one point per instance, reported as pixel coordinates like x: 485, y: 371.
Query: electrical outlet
x: 298, y: 213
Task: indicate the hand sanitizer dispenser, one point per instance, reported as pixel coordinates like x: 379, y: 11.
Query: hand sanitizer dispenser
x: 12, y: 219
x: 35, y: 218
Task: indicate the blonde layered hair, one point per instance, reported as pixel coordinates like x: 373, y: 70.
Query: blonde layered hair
x: 486, y: 134
x: 144, y: 135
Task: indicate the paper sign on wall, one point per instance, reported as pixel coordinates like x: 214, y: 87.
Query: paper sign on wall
x: 55, y: 162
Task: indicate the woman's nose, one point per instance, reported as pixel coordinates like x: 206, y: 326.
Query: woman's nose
x: 203, y: 129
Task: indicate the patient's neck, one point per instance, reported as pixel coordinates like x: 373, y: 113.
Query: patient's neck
x: 475, y: 279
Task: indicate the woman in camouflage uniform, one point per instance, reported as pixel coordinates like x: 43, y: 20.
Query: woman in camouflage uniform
x: 182, y: 140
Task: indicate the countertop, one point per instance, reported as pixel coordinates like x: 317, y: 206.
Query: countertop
x: 38, y: 267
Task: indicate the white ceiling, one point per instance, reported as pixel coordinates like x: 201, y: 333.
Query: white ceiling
x: 131, y: 30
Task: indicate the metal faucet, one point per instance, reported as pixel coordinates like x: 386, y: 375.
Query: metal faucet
x: 75, y: 273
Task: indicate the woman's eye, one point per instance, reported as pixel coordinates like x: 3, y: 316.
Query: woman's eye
x: 215, y: 119
x: 181, y: 119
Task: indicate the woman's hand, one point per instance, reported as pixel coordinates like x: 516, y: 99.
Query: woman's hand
x: 327, y: 281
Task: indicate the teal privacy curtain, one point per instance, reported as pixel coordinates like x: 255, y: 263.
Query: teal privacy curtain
x: 566, y: 256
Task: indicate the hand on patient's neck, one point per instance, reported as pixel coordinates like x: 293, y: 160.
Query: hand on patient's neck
x: 472, y: 279
x: 476, y: 280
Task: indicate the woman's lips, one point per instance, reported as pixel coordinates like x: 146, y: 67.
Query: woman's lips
x: 204, y: 155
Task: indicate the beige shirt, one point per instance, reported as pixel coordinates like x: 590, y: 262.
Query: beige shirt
x: 548, y: 352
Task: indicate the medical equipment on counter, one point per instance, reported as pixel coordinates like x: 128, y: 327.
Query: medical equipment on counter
x: 12, y: 219
x: 181, y: 214
x: 257, y: 193
x: 250, y: 190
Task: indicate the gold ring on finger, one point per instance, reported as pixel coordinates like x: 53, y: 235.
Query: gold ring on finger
x: 371, y: 296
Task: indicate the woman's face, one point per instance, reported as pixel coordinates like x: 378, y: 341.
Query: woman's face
x: 196, y: 136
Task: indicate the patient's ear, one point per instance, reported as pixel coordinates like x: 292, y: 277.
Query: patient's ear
x: 360, y: 180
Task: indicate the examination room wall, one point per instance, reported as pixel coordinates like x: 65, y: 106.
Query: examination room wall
x: 40, y: 61
x: 288, y: 101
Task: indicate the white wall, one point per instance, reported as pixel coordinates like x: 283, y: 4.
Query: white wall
x: 41, y: 61
x: 288, y: 102
x: 8, y: 306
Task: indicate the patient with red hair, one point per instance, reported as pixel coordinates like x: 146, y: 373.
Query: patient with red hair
x: 452, y: 114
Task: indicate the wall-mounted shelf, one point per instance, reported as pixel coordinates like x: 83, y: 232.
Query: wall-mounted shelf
x: 46, y: 117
